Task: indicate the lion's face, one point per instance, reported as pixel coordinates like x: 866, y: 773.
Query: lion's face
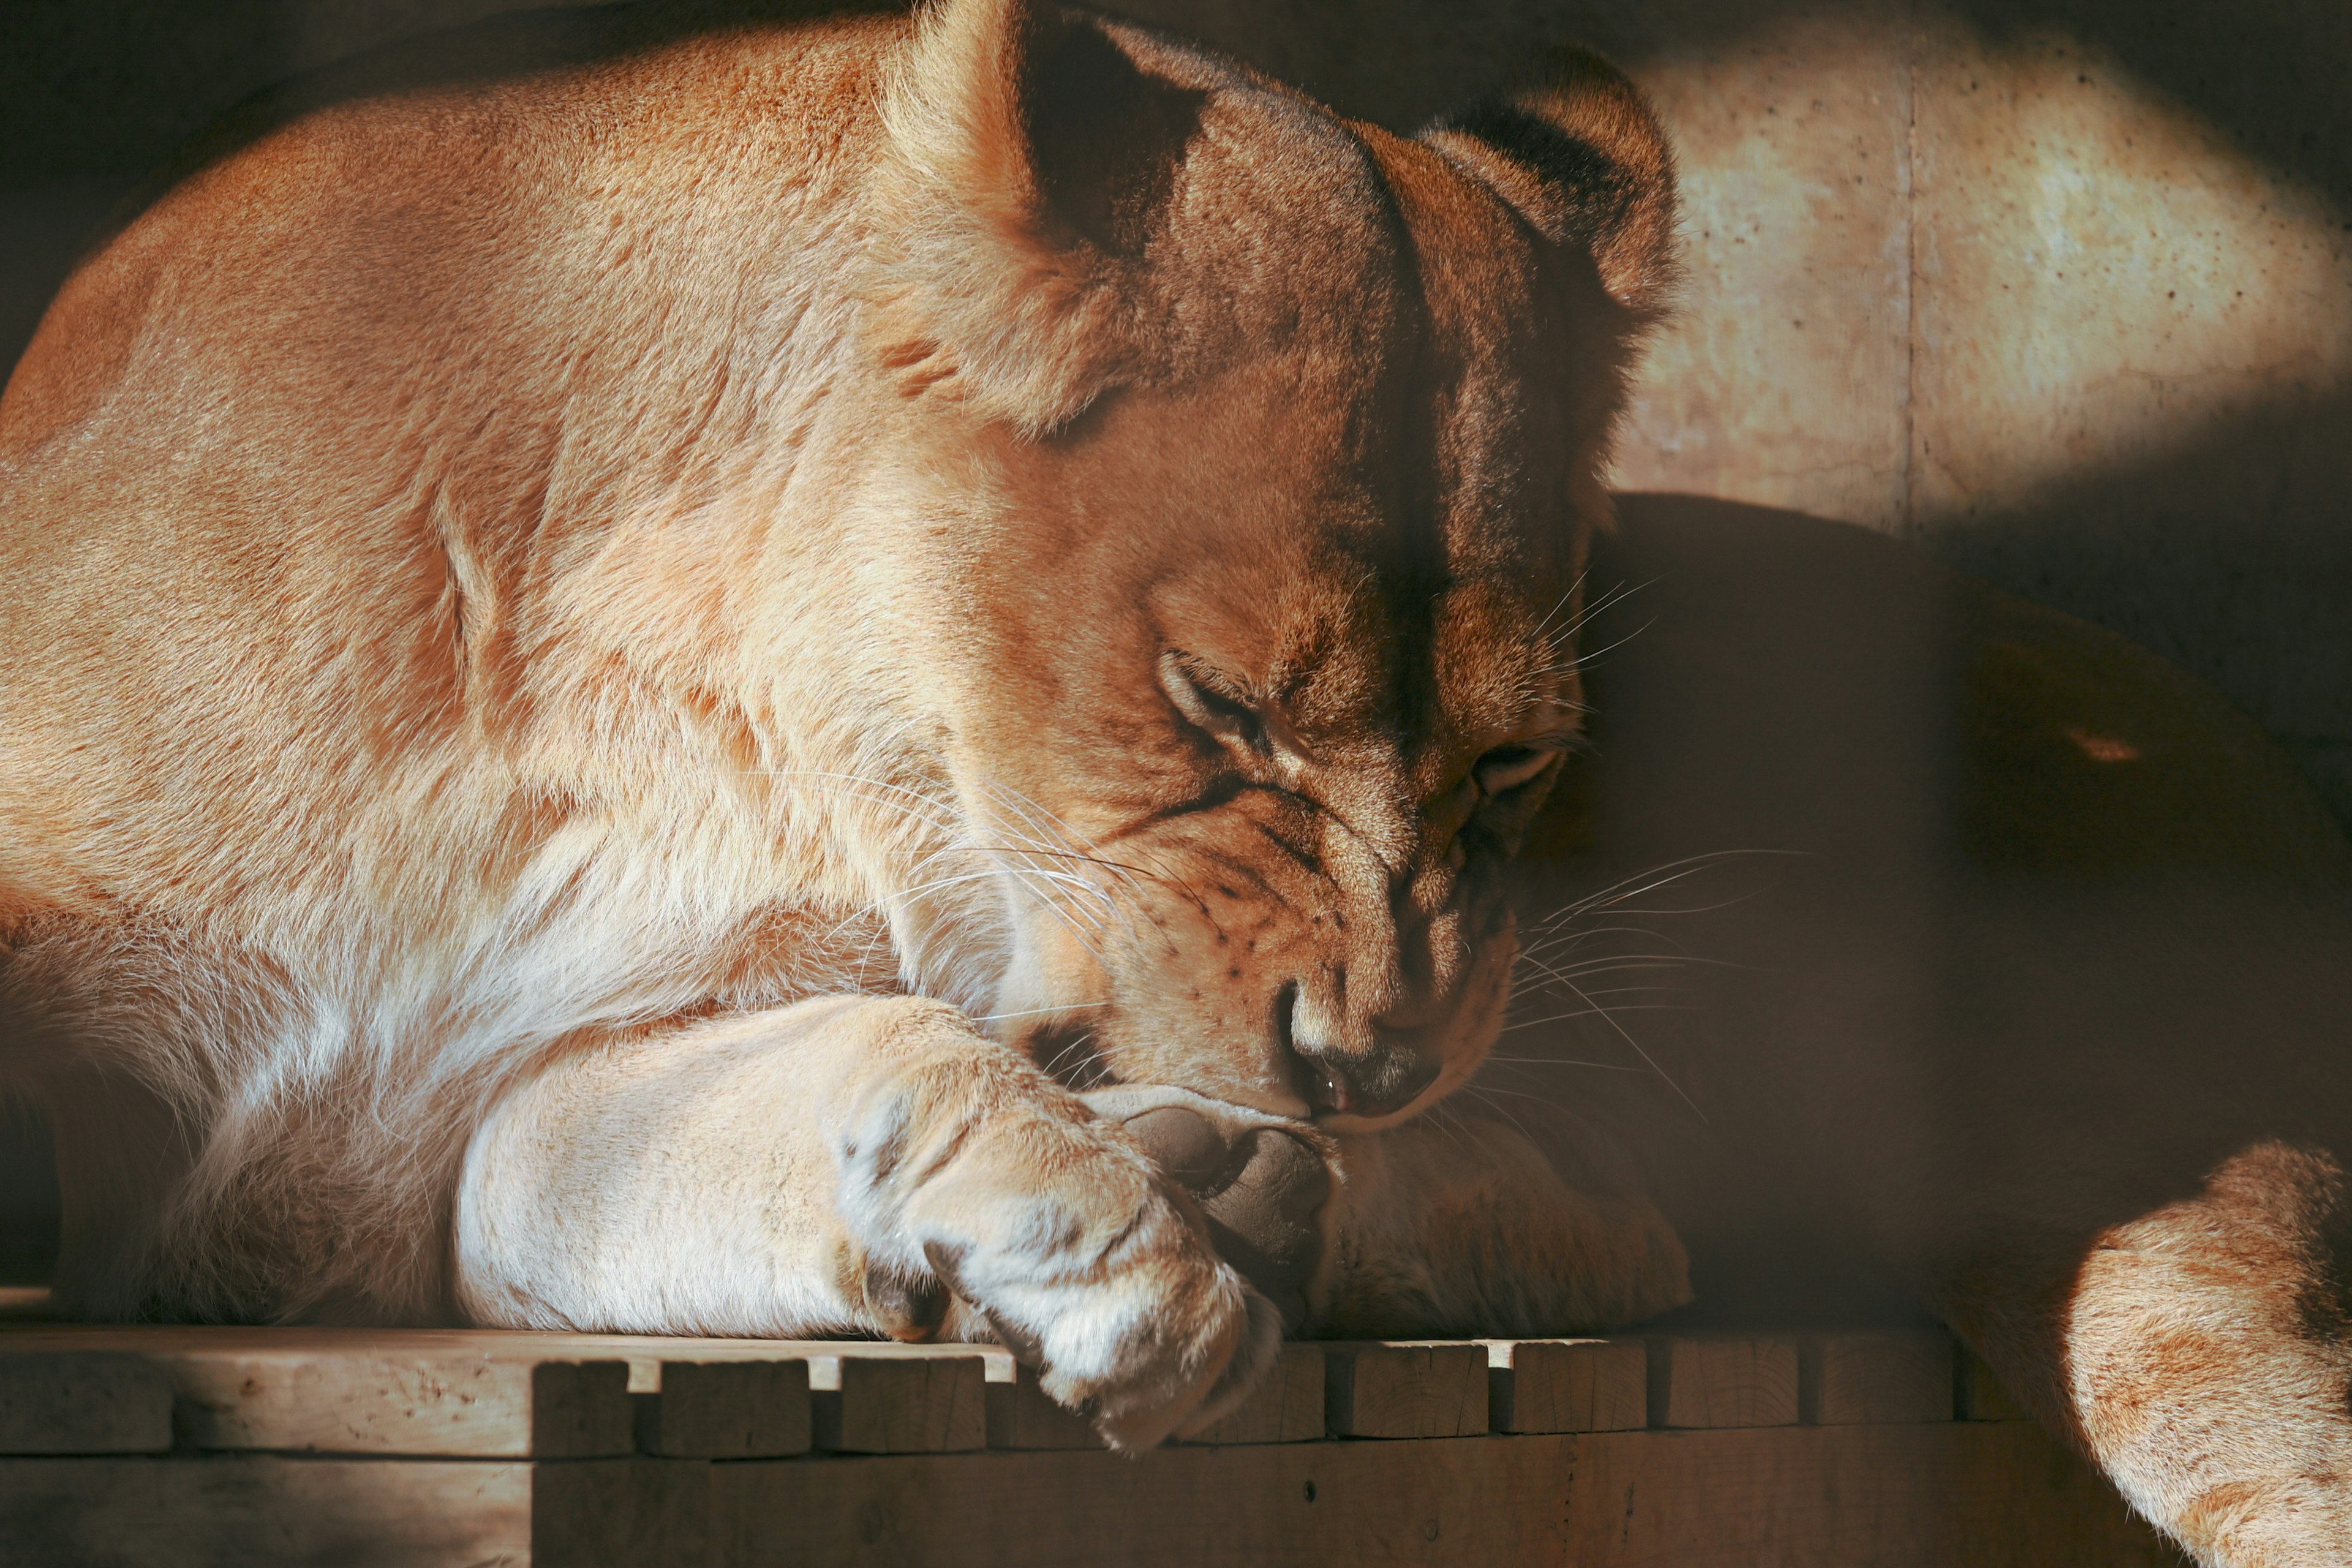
x: 1261, y: 652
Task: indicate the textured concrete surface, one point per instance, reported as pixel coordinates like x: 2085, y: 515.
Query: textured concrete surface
x: 2061, y: 289
x: 1784, y: 381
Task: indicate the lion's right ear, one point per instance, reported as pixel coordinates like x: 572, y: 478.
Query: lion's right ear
x: 1033, y: 160
x: 1581, y: 156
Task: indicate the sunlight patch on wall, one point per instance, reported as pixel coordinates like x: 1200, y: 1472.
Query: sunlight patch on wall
x: 1781, y: 379
x: 2098, y: 276
x: 1932, y: 275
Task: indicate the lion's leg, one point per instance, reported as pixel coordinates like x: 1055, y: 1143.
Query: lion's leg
x: 844, y: 1164
x: 2200, y: 1353
x: 1454, y: 1224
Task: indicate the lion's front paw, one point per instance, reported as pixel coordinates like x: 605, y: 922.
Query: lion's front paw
x: 1058, y: 1230
x: 1264, y: 1183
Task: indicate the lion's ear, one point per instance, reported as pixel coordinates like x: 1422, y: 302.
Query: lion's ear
x: 1578, y: 153
x: 1033, y: 160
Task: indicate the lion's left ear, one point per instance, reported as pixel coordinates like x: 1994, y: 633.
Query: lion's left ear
x: 1580, y: 153
x: 1032, y: 159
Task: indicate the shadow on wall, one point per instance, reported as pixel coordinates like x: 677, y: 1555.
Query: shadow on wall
x: 2229, y: 554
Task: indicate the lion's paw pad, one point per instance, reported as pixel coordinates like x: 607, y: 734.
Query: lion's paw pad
x: 1261, y: 1187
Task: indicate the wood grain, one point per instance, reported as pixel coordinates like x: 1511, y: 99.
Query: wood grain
x: 1942, y: 1495
x: 1948, y: 1496
x: 264, y: 1510
x: 1023, y: 1415
x: 1876, y: 1377
x: 337, y: 1391
x: 1287, y: 1407
x: 1723, y: 1380
x: 457, y: 1391
x: 1566, y: 1386
x: 1405, y: 1390
x: 899, y: 1405
x: 82, y: 1402
x: 728, y: 1410
x: 645, y: 1352
x: 620, y: 1513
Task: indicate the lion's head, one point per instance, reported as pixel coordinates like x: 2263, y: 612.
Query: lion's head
x: 1254, y: 456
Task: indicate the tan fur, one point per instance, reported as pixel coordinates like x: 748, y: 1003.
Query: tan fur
x: 656, y: 678
x: 595, y: 636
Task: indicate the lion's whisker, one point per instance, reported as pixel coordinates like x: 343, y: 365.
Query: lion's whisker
x: 1487, y: 1093
x: 1033, y: 1011
x: 1610, y: 1018
x: 1610, y: 1012
x: 1562, y: 1062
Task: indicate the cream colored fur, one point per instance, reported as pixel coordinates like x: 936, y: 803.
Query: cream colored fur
x: 618, y: 664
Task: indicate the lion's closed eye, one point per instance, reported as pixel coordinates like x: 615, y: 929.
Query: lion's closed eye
x: 1208, y: 704
x: 1505, y: 768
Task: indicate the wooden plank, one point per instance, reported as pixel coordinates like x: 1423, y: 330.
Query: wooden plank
x: 1287, y: 1407
x: 1723, y: 1380
x: 82, y: 1402
x: 1979, y: 1395
x: 1875, y: 1377
x: 27, y: 1303
x: 1926, y: 1496
x: 1405, y: 1390
x: 728, y: 1410
x: 263, y: 1510
x: 1935, y: 1495
x: 643, y: 1352
x: 1566, y: 1386
x: 620, y: 1513
x: 363, y: 1392
x: 899, y: 1405
x: 453, y: 1392
x: 403, y: 1404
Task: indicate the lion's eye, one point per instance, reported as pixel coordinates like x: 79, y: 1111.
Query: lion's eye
x: 1505, y: 768
x: 1218, y: 713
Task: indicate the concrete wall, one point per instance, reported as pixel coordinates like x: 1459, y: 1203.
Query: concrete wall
x: 2062, y: 291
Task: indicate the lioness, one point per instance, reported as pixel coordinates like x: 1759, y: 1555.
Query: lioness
x: 629, y: 669
x: 790, y: 674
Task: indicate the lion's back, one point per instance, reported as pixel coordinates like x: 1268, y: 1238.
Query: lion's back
x: 375, y: 333
x: 441, y: 199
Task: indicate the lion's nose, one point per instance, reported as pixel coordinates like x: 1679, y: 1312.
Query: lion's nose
x: 1369, y: 1081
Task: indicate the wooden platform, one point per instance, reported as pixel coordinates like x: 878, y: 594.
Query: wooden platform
x: 256, y: 1447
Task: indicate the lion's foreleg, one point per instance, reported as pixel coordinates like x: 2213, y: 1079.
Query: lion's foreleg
x: 863, y: 1163
x: 1458, y: 1225
x: 669, y: 1186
